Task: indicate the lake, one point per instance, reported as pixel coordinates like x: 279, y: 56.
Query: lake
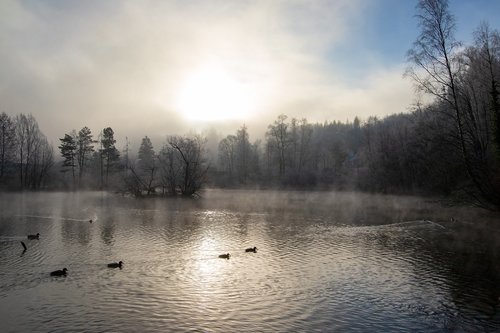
x: 326, y: 262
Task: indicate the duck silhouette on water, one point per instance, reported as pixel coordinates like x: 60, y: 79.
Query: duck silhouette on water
x: 116, y: 264
x: 37, y: 236
x: 60, y: 272
x: 251, y: 249
x: 225, y: 256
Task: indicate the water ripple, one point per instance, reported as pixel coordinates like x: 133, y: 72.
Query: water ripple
x: 315, y: 270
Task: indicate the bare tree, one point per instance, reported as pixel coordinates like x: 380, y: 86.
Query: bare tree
x: 185, y: 162
x: 44, y: 161
x: 278, y: 141
x: 7, y: 143
x: 27, y: 136
x: 171, y: 169
x: 487, y: 53
x: 242, y: 154
x: 437, y: 71
x: 34, y: 155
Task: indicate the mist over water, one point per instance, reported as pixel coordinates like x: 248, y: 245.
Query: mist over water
x: 325, y: 262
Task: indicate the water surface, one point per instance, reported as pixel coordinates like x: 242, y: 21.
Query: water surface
x: 325, y: 262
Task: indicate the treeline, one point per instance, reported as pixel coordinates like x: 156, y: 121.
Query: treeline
x: 179, y: 168
x: 405, y: 153
x: 86, y: 162
x: 414, y: 152
x: 450, y: 147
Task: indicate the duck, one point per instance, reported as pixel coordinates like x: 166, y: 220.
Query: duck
x: 225, y: 256
x: 60, y: 272
x: 116, y: 264
x: 251, y: 249
x: 37, y: 236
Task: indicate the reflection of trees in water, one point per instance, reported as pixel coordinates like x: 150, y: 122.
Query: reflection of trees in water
x: 178, y: 221
x: 462, y: 261
x: 474, y: 273
x: 242, y: 221
x: 457, y: 266
x: 73, y: 226
x: 108, y: 232
x: 75, y: 230
x: 107, y: 223
x: 457, y: 271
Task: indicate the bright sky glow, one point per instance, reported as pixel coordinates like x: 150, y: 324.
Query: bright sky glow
x: 211, y: 93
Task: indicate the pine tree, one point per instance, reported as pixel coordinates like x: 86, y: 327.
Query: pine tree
x: 109, y: 154
x: 68, y: 150
x: 85, y: 147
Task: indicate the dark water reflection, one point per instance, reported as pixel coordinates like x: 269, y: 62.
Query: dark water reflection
x: 325, y: 262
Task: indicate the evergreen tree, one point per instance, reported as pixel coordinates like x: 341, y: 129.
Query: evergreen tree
x: 147, y: 165
x: 68, y: 150
x: 109, y: 154
x: 85, y: 148
x: 146, y: 154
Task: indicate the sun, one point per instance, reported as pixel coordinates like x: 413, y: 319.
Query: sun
x: 211, y: 93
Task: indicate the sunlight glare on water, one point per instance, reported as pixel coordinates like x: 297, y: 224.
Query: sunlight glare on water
x: 325, y: 262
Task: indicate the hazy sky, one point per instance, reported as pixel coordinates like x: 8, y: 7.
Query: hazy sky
x: 169, y: 67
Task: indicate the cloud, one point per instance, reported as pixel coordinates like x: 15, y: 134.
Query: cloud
x: 119, y: 63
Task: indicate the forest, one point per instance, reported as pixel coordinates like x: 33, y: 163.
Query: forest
x: 449, y: 147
